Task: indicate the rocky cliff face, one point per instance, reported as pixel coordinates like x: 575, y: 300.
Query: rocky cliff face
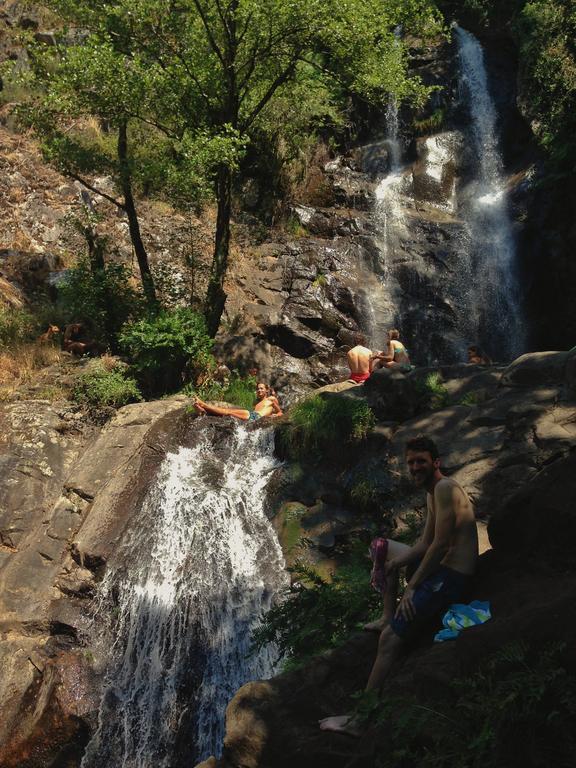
x: 66, y: 494
x: 385, y: 242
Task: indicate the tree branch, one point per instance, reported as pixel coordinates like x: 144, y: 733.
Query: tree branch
x: 280, y: 80
x: 94, y: 189
x: 209, y: 34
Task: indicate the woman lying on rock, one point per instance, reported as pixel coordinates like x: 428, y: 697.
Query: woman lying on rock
x: 266, y: 405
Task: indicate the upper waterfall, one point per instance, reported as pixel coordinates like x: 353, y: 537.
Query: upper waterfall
x: 491, y: 273
x: 198, y: 568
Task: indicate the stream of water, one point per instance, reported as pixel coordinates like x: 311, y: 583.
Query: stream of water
x: 200, y: 566
x: 493, y: 300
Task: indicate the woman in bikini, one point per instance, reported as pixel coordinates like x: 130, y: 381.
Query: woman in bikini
x: 396, y: 356
x: 266, y: 405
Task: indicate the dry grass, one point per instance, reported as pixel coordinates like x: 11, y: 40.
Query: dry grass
x: 19, y: 365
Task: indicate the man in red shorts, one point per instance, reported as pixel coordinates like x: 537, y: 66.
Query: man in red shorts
x: 442, y: 561
x: 359, y: 360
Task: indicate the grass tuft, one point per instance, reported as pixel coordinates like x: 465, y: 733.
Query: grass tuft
x: 320, y: 426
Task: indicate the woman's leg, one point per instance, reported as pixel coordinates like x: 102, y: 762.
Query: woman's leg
x: 217, y: 410
x: 395, y: 549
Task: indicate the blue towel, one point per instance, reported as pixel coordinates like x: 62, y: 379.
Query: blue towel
x: 460, y: 616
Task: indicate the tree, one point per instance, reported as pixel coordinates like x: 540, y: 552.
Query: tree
x: 71, y: 84
x: 228, y: 60
x: 207, y: 73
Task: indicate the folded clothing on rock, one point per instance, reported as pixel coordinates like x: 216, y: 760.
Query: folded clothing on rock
x: 460, y: 616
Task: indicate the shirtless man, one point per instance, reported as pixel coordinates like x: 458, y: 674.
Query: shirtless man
x: 266, y: 405
x: 360, y: 360
x: 443, y: 562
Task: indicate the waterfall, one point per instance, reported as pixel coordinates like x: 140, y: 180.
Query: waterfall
x: 198, y: 568
x: 493, y: 297
x: 390, y: 225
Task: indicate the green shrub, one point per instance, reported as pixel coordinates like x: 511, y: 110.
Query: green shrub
x: 167, y: 349
x: 518, y: 709
x: 317, y: 614
x: 321, y: 425
x: 101, y: 386
x: 16, y: 326
x: 102, y: 300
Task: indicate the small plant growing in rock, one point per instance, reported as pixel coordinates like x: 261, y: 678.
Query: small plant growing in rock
x: 470, y: 399
x: 321, y: 426
x: 320, y: 280
x: 102, y: 386
x: 436, y: 391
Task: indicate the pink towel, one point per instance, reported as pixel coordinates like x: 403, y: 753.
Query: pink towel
x: 378, y: 553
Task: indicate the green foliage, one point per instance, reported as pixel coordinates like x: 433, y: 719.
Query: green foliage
x: 431, y: 124
x: 16, y: 326
x: 518, y: 709
x: 189, y: 86
x: 433, y: 390
x: 546, y: 31
x: 320, y: 426
x: 320, y: 281
x: 364, y: 494
x: 238, y: 390
x: 470, y: 399
x: 167, y: 349
x: 101, y: 385
x: 317, y: 614
x: 102, y: 299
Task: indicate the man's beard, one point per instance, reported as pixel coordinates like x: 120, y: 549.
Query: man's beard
x: 423, y: 477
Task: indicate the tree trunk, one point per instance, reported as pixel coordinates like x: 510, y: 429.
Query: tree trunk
x: 133, y: 224
x: 215, y: 296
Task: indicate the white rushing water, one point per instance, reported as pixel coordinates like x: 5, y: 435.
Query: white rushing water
x: 389, y: 219
x: 200, y: 566
x: 493, y: 295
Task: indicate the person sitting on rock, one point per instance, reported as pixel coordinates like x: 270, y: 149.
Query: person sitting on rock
x: 266, y: 405
x: 360, y: 360
x: 477, y: 357
x: 395, y: 356
x: 442, y: 563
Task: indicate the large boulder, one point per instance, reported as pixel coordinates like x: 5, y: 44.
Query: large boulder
x: 535, y: 369
x: 538, y: 522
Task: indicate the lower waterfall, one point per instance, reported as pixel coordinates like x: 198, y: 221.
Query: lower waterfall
x: 198, y: 568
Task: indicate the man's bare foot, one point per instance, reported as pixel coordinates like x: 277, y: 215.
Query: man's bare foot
x: 376, y: 626
x: 346, y: 724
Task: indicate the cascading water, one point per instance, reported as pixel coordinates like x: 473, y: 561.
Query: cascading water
x: 199, y: 567
x: 493, y: 296
x: 390, y: 223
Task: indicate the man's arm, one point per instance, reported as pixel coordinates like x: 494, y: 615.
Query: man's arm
x: 439, y: 546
